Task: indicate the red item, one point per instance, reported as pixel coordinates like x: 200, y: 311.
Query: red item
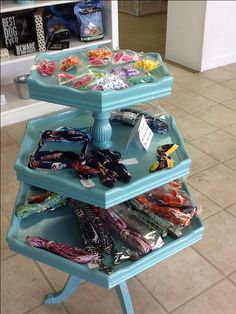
x: 174, y: 215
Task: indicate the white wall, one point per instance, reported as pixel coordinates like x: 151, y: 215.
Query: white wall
x: 185, y: 29
x: 201, y: 34
x: 219, y: 43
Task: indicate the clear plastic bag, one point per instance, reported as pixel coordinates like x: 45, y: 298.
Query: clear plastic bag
x: 174, y: 205
x: 124, y: 56
x: 136, y: 223
x: 169, y: 195
x: 99, y: 56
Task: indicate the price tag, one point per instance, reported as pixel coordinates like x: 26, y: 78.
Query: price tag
x: 3, y: 100
x: 92, y: 265
x: 141, y: 133
x: 87, y: 183
x: 130, y: 161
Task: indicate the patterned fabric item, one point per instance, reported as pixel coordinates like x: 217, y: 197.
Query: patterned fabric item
x: 69, y: 252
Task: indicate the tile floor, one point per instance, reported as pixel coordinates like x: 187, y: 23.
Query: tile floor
x: 199, y: 279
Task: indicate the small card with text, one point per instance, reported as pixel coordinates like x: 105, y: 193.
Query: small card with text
x: 141, y: 134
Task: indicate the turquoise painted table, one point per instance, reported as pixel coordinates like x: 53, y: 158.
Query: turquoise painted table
x: 93, y: 109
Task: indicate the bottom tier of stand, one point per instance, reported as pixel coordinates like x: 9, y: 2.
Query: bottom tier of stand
x: 61, y: 225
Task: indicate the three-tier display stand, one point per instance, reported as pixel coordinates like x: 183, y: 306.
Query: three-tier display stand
x: 93, y: 109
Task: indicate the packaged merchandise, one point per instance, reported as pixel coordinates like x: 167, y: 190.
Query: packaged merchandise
x: 89, y: 15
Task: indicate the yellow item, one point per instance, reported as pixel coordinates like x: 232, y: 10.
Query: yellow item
x: 147, y: 64
x: 171, y: 150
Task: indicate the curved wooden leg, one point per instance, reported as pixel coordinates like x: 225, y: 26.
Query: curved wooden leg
x: 69, y: 288
x: 125, y: 300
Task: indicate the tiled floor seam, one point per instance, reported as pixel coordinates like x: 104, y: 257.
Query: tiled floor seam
x: 210, y: 167
x: 7, y: 257
x: 200, y: 191
x: 197, y: 147
x: 38, y: 306
x: 218, y: 128
x: 45, y: 277
x: 224, y: 129
x: 215, y: 99
x: 50, y: 284
x: 226, y: 105
x: 229, y: 277
x: 197, y: 295
x: 209, y: 262
x: 230, y: 212
x: 149, y: 292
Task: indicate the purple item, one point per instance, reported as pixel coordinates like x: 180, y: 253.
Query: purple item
x: 69, y: 252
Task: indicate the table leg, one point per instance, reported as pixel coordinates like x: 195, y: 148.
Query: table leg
x: 60, y: 296
x: 102, y: 130
x: 124, y: 296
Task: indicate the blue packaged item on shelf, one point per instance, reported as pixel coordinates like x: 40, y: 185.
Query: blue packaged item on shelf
x: 64, y: 14
x: 89, y: 15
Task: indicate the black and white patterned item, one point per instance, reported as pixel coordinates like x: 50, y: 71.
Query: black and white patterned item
x: 40, y: 33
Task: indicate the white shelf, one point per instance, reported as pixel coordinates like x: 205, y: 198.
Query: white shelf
x: 10, y: 6
x: 18, y: 109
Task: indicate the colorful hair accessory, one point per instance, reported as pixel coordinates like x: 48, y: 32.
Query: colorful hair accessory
x: 125, y: 72
x: 47, y: 67
x: 99, y: 56
x: 83, y: 82
x: 111, y: 81
x: 147, y: 64
x: 65, y: 78
x: 123, y: 57
x: 69, y: 63
x: 69, y: 252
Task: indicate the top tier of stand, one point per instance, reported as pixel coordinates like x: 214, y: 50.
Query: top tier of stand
x: 48, y: 89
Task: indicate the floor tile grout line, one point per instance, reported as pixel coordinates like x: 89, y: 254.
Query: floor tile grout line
x: 149, y: 292
x: 197, y: 295
x: 198, y: 137
x: 49, y: 282
x: 212, y: 215
x: 184, y: 113
x: 230, y: 206
x: 230, y: 274
x: 208, y: 261
x: 223, y: 104
x: 233, y: 282
x: 201, y: 172
x: 44, y: 275
x: 221, y: 208
x: 38, y: 306
x: 218, y: 128
x: 8, y: 257
x: 230, y: 213
x: 197, y: 147
x: 228, y: 131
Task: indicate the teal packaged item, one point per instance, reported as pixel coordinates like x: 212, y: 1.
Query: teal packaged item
x: 89, y: 15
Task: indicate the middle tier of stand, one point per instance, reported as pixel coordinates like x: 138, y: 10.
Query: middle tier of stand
x: 67, y: 182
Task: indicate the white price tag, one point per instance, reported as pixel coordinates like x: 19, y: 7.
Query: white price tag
x: 92, y: 265
x: 87, y: 183
x: 141, y: 133
x: 130, y: 161
x: 3, y: 100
